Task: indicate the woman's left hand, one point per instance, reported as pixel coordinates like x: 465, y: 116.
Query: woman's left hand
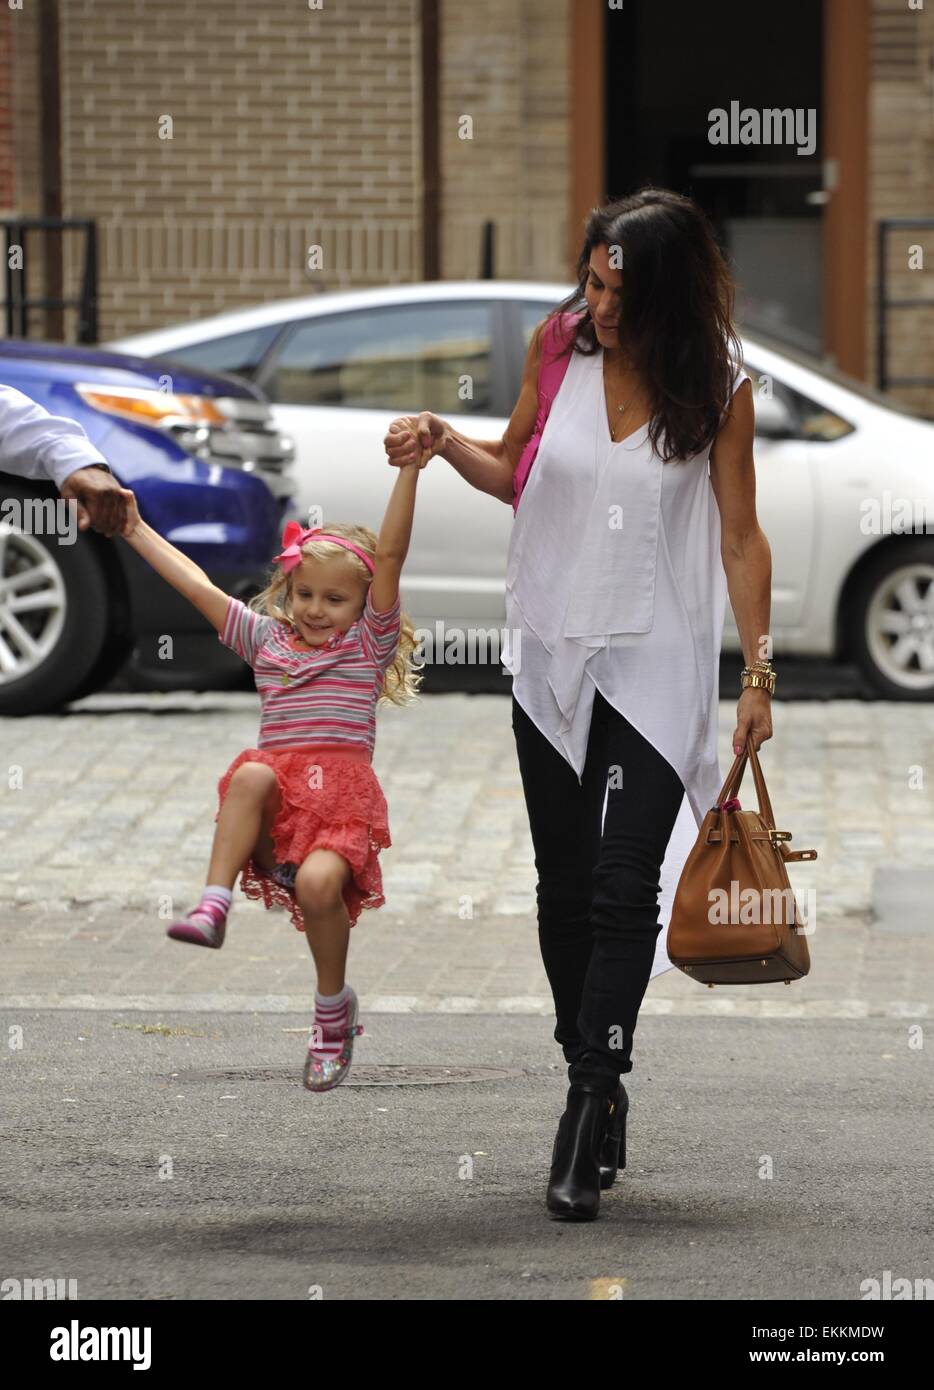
x: 415, y: 439
x: 753, y: 719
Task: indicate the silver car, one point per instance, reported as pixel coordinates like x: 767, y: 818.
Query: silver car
x: 844, y: 476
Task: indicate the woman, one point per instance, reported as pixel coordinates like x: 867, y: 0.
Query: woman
x: 624, y: 545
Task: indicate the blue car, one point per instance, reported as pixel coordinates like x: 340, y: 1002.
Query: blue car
x: 210, y: 472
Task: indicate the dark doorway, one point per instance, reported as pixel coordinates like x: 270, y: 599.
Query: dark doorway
x: 669, y: 63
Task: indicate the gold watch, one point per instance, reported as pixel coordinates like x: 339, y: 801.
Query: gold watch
x: 760, y: 676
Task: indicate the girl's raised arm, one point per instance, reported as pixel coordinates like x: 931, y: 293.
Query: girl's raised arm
x: 395, y: 533
x: 183, y: 574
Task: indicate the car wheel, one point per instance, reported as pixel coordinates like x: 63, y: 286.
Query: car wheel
x: 892, y: 631
x: 53, y: 617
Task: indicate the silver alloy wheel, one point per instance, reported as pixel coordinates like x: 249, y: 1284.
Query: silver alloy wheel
x: 900, y: 626
x: 32, y: 604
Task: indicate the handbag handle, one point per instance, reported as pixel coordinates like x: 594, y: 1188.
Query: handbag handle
x: 735, y: 776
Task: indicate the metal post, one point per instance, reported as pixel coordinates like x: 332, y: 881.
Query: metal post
x: 87, y: 313
x: 487, y: 252
x: 881, y: 343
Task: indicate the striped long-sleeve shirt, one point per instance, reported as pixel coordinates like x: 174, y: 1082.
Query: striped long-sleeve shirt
x: 326, y: 695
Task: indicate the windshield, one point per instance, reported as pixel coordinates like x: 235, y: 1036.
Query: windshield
x: 834, y: 374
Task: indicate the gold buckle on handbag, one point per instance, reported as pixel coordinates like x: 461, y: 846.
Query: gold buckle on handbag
x: 776, y: 835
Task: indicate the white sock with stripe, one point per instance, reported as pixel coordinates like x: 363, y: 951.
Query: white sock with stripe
x: 330, y: 1022
x: 214, y: 905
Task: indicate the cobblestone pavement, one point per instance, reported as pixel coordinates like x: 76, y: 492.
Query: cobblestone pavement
x: 107, y: 812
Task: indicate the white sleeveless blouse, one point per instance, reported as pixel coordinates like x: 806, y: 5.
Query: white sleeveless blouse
x: 614, y: 581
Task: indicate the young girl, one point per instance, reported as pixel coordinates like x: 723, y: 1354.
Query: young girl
x: 302, y: 814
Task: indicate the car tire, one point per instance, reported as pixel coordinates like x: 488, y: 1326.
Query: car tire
x: 890, y: 601
x: 70, y: 634
x: 114, y: 656
x: 149, y: 680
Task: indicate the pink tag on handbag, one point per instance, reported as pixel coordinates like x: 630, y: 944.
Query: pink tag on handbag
x: 551, y: 372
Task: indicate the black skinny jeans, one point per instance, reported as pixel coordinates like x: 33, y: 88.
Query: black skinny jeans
x: 597, y: 892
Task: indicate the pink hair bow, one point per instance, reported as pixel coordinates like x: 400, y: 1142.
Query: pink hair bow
x: 294, y: 537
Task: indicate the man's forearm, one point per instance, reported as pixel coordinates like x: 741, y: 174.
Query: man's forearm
x: 749, y: 580
x: 482, y: 463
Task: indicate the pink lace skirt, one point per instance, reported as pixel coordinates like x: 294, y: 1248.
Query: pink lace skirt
x: 329, y: 798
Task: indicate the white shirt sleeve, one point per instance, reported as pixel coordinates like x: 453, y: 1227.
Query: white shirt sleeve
x: 35, y: 444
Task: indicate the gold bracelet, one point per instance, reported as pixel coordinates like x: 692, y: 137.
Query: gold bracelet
x: 758, y: 679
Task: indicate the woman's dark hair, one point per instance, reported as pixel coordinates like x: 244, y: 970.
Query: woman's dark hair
x: 676, y: 315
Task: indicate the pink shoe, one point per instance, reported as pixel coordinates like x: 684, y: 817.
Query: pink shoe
x: 198, y: 933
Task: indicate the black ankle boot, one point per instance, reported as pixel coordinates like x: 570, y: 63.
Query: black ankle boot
x: 613, y: 1148
x: 574, y: 1184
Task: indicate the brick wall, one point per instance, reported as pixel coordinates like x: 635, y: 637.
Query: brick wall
x: 901, y: 184
x: 505, y: 66
x: 20, y: 37
x: 7, y: 100
x: 22, y: 189
x: 294, y: 127
x: 290, y: 128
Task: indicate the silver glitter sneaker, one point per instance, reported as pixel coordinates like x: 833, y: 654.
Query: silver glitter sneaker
x: 324, y: 1073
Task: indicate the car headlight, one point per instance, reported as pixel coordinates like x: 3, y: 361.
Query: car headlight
x: 189, y: 419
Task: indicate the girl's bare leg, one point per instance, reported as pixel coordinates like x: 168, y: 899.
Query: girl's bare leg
x: 318, y: 885
x: 264, y: 851
x: 249, y: 808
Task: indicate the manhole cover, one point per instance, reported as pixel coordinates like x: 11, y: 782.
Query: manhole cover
x: 358, y: 1076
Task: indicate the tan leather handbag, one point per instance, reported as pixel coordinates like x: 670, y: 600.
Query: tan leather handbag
x: 734, y: 919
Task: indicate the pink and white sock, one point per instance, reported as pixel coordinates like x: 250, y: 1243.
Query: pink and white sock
x: 330, y: 1023
x: 213, y: 908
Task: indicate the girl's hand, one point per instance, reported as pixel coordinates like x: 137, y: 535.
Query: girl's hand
x: 753, y: 718
x: 425, y: 433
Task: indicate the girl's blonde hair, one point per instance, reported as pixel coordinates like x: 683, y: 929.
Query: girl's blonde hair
x: 402, y: 678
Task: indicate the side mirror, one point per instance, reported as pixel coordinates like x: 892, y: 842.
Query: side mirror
x: 773, y: 419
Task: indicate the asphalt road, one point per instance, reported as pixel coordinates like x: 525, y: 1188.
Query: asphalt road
x: 131, y: 1171
x: 157, y: 1142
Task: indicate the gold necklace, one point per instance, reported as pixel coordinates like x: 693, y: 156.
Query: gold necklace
x: 621, y: 409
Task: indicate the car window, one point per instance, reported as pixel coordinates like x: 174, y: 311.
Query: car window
x: 837, y: 377
x: 816, y: 422
x: 406, y: 357
x: 237, y: 352
x: 812, y: 421
x: 531, y: 314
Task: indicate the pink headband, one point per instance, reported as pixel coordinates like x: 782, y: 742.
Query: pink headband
x: 294, y: 537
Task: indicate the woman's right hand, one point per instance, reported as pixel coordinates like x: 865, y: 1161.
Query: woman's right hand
x: 425, y: 433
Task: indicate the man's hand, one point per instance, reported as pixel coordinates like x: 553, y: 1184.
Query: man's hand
x: 102, y: 502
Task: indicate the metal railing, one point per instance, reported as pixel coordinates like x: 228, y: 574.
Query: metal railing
x: 883, y: 303
x: 18, y: 302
